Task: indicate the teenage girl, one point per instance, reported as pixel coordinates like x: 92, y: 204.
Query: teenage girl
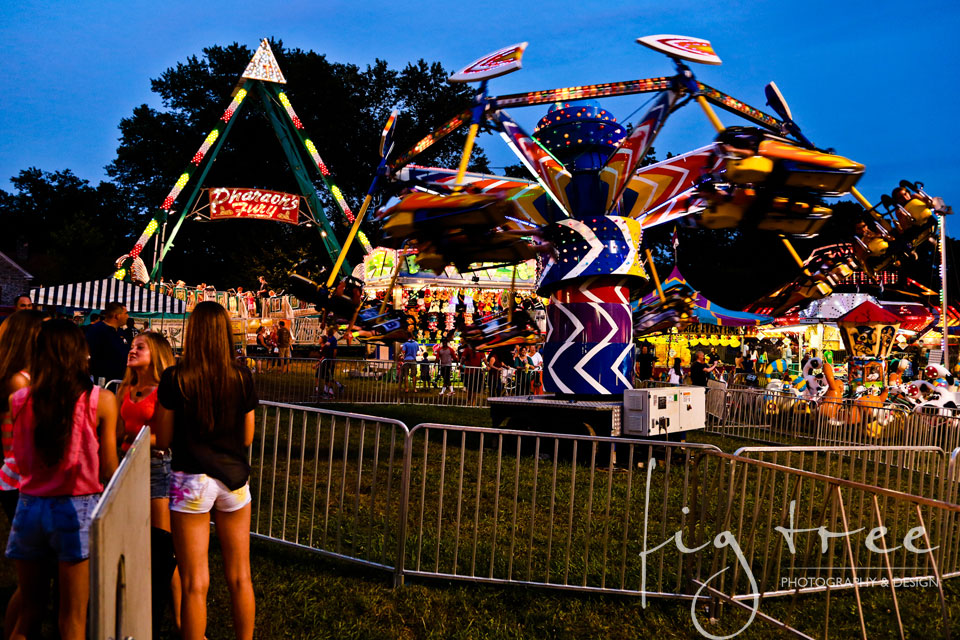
x: 205, y: 415
x: 17, y: 335
x: 149, y: 355
x: 64, y: 442
x: 675, y: 374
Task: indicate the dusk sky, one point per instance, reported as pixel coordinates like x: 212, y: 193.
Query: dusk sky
x: 877, y: 81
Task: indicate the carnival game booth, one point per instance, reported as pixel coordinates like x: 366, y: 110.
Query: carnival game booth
x: 709, y: 326
x: 436, y: 300
x: 248, y: 313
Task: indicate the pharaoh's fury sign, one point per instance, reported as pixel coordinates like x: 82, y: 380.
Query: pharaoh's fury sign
x: 254, y: 203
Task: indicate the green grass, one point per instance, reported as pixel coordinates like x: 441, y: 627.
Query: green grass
x: 302, y: 596
x: 367, y: 607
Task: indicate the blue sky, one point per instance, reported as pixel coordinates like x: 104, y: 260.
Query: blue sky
x: 874, y: 80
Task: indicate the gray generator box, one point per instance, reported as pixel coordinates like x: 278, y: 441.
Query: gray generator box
x: 661, y: 411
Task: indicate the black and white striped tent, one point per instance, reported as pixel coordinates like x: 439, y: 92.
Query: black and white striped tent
x: 96, y: 294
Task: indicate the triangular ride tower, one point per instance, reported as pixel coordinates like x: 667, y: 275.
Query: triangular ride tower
x: 263, y: 77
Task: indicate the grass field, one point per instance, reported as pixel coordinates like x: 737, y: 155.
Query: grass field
x: 302, y: 595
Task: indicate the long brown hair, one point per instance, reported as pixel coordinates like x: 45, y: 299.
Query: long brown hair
x: 208, y: 375
x: 60, y: 376
x: 161, y: 357
x: 17, y: 336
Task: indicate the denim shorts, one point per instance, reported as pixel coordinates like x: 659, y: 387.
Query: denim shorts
x: 57, y: 526
x: 160, y: 476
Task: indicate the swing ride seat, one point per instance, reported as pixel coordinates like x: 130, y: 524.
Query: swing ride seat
x: 499, y: 331
x: 433, y: 215
x: 766, y: 181
x: 755, y: 156
x: 466, y: 247
x: 342, y: 301
x: 828, y: 266
x: 676, y: 309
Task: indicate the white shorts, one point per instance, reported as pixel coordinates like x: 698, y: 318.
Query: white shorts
x: 199, y: 493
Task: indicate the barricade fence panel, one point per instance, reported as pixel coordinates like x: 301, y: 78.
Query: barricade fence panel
x: 786, y: 532
x: 784, y: 418
x: 314, y: 381
x: 611, y: 515
x: 920, y: 471
x: 550, y: 510
x: 329, y: 481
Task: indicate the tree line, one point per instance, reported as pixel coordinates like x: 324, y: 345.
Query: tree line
x: 62, y: 228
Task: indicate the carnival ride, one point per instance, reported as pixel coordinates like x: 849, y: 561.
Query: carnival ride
x: 589, y: 200
x: 583, y: 211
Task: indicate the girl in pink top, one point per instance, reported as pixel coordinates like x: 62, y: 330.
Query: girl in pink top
x: 17, y: 335
x: 64, y: 432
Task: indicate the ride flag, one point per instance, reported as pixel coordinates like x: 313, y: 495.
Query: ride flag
x: 492, y: 65
x: 254, y: 203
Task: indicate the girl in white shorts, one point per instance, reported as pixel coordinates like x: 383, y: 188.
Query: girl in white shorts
x: 205, y: 415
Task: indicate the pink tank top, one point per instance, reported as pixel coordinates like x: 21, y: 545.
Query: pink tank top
x: 9, y: 472
x: 78, y: 472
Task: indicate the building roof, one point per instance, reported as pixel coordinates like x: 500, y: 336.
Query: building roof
x: 16, y: 266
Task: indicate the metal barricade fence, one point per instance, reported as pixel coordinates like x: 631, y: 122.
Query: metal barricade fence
x: 779, y: 417
x: 610, y: 515
x: 505, y: 506
x: 920, y: 471
x: 290, y: 380
x: 311, y: 380
x: 329, y: 481
x: 779, y: 531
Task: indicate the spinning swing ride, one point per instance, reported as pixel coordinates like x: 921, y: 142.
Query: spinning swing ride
x: 583, y: 211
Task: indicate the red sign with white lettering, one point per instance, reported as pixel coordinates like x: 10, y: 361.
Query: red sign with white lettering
x: 254, y: 203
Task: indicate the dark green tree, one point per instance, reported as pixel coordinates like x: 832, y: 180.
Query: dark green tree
x: 61, y: 228
x: 343, y: 108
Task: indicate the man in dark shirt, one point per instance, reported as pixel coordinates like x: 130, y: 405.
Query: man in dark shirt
x: 699, y: 370
x: 108, y: 351
x: 645, y: 363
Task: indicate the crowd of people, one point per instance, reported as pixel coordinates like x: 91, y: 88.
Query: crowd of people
x: 516, y: 369
x: 63, y: 437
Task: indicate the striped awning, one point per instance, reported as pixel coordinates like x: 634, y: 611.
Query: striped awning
x: 97, y: 293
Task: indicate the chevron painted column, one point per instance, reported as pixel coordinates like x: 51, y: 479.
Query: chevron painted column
x: 589, y: 344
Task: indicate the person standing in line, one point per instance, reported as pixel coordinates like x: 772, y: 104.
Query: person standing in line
x: 471, y: 362
x: 675, y: 373
x: 17, y: 336
x: 64, y: 442
x: 205, y: 414
x: 129, y: 332
x: 150, y: 354
x: 329, y: 364
x: 699, y: 370
x: 446, y: 356
x: 263, y: 349
x: 645, y: 363
x: 409, y: 350
x: 536, y: 365
x: 22, y: 303
x: 285, y: 345
x: 494, y: 375
x: 108, y: 351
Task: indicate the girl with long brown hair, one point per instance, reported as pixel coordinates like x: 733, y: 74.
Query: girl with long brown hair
x: 149, y: 355
x: 17, y: 335
x: 206, y: 407
x: 64, y: 442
